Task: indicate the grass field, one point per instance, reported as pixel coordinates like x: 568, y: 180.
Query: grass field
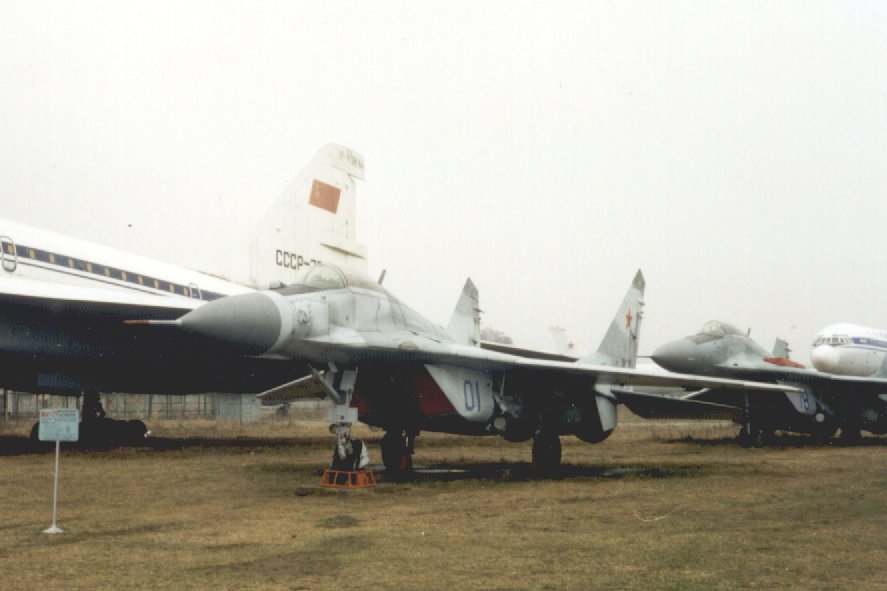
x: 206, y: 506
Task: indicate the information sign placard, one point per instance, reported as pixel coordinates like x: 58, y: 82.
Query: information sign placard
x: 59, y: 424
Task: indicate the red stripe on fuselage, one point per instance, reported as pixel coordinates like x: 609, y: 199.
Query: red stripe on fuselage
x: 431, y: 399
x: 426, y: 393
x: 783, y: 362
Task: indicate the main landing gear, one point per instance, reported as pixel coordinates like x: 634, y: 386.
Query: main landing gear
x: 546, y: 453
x: 397, y: 452
x: 750, y: 436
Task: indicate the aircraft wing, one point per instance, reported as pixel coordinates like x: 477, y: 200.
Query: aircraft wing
x: 559, y: 373
x: 811, y: 380
x: 522, y: 352
x: 656, y: 406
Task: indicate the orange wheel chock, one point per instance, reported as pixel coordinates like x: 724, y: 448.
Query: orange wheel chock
x: 347, y: 479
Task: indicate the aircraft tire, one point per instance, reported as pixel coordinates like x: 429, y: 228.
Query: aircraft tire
x: 394, y: 453
x: 546, y: 453
x: 135, y: 431
x: 350, y: 462
x: 851, y: 435
x: 755, y: 439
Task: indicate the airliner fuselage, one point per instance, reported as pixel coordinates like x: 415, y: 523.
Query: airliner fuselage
x: 849, y: 350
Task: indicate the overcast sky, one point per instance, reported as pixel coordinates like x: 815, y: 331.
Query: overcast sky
x: 736, y: 152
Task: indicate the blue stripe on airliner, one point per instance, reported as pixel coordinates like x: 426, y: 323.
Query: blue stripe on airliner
x: 27, y: 255
x: 869, y: 342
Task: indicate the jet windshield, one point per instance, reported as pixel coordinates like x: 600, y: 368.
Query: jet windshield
x: 323, y: 277
x: 716, y: 328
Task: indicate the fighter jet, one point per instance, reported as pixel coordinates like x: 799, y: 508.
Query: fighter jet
x: 381, y: 362
x: 823, y: 404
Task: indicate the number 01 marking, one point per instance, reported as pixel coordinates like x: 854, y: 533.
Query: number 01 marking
x: 472, y: 395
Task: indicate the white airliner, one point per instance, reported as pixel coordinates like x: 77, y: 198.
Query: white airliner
x: 63, y: 300
x: 850, y: 350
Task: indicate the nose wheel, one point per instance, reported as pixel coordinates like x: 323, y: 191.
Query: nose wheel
x: 349, y: 454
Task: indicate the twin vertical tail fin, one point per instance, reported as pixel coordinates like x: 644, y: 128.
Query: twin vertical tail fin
x: 564, y: 345
x: 780, y: 349
x: 464, y: 326
x: 620, y: 345
x: 312, y: 221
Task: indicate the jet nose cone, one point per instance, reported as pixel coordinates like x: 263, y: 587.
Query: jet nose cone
x: 250, y: 322
x: 825, y: 358
x: 679, y: 355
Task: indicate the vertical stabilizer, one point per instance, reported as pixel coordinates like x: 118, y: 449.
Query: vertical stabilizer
x: 312, y: 221
x: 620, y: 345
x: 564, y: 345
x: 780, y: 349
x: 464, y: 326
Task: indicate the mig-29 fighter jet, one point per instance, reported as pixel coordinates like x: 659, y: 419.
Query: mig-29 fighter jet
x: 384, y: 364
x: 822, y: 404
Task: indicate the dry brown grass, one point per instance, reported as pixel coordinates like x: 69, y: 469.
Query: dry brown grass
x: 211, y: 506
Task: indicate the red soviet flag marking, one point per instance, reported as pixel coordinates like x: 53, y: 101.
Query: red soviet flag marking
x: 325, y: 196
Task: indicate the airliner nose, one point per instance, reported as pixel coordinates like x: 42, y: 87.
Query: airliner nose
x: 825, y: 358
x: 678, y: 355
x: 249, y: 322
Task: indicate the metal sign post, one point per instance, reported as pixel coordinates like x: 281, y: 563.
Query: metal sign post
x: 58, y: 424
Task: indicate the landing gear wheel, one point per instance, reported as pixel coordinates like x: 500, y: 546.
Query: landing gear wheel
x: 546, y: 453
x: 351, y: 461
x: 136, y: 431
x: 851, y: 435
x: 756, y: 438
x: 742, y: 438
x: 395, y: 454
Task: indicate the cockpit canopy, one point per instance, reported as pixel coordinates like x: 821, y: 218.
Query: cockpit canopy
x: 716, y: 328
x: 323, y: 277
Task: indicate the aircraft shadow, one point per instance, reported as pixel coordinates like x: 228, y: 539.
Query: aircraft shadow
x: 787, y: 441
x: 17, y: 445
x: 523, y: 471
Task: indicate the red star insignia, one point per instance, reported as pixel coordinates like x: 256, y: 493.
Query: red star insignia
x: 628, y: 319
